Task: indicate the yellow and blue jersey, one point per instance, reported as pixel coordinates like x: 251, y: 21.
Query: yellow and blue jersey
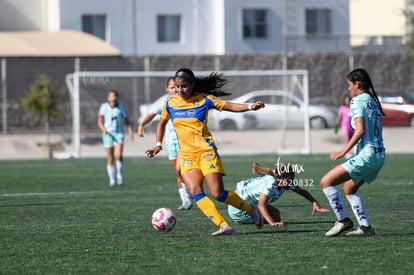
x: 189, y: 117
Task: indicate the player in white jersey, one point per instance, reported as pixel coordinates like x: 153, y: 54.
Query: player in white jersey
x: 171, y: 142
x: 364, y: 165
x: 269, y: 187
x: 111, y: 116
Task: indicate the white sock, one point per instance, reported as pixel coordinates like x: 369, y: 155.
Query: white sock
x: 181, y: 191
x: 335, y: 202
x: 187, y: 194
x: 358, y: 207
x: 111, y: 172
x: 119, y: 168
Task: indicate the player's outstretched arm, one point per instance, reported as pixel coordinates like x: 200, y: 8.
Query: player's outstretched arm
x: 315, y: 204
x: 240, y: 107
x: 144, y: 122
x: 317, y: 208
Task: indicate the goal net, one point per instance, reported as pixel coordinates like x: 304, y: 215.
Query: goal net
x: 281, y: 127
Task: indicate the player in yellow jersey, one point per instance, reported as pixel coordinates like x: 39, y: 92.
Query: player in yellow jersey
x: 199, y: 159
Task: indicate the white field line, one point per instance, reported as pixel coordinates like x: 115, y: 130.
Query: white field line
x: 54, y: 193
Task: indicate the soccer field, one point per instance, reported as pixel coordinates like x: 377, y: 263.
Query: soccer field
x: 61, y: 217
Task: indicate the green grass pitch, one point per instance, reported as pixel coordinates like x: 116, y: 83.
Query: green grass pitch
x: 61, y: 217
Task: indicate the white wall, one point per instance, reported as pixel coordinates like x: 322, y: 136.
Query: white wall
x: 340, y: 16
x: 147, y: 26
x: 24, y: 15
x: 233, y: 26
x: 210, y: 36
x: 376, y: 17
x: 199, y: 35
x: 119, y: 18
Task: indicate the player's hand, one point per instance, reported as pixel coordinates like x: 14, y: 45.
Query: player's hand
x: 336, y: 155
x: 317, y: 208
x: 151, y: 153
x: 277, y: 224
x: 258, y: 105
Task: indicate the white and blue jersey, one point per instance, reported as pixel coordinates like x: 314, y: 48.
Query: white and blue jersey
x: 369, y: 154
x: 113, y: 117
x: 250, y: 191
x: 371, y: 144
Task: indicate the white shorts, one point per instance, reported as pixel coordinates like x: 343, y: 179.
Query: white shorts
x: 109, y: 140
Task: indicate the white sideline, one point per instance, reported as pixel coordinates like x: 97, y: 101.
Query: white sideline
x: 54, y: 193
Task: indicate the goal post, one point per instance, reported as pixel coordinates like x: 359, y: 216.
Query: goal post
x: 88, y: 90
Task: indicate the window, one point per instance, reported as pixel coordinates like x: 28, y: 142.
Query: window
x: 94, y: 24
x: 255, y: 23
x: 168, y: 28
x: 318, y: 21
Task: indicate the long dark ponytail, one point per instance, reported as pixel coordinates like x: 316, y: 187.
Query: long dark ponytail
x: 365, y: 84
x: 212, y: 84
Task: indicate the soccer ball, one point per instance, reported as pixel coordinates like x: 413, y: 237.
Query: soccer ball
x: 163, y: 219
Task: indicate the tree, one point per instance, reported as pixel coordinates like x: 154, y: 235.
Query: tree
x: 41, y: 99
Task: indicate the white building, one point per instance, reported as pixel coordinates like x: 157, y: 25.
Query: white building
x: 214, y: 27
x: 211, y: 26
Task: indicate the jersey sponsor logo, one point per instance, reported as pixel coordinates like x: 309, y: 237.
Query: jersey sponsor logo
x: 187, y: 162
x: 208, y: 157
x: 191, y: 113
x: 180, y: 114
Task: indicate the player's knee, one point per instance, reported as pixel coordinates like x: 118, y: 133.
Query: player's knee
x: 324, y: 182
x: 110, y: 160
x: 349, y: 188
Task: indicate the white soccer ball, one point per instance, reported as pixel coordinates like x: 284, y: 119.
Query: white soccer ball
x: 163, y: 219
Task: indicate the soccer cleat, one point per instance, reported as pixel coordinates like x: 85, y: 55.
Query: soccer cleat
x: 256, y: 217
x: 339, y: 227
x: 120, y: 181
x: 364, y: 231
x: 185, y: 205
x: 111, y: 183
x: 224, y: 230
